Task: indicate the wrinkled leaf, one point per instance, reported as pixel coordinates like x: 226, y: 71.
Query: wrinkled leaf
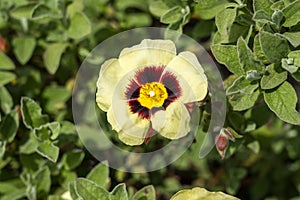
x: 292, y: 14
x: 273, y: 77
x: 119, y: 192
x: 264, y: 5
x: 241, y: 102
x: 100, y: 175
x: 207, y: 9
x: 201, y: 193
x: 227, y: 55
x: 48, y: 150
x: 87, y: 189
x: 247, y: 58
x: 282, y: 101
x: 146, y: 193
x: 293, y: 38
x: 243, y: 86
x: 273, y: 46
x: 32, y: 113
x: 224, y: 20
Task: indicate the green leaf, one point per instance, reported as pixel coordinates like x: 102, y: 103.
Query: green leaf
x: 201, y: 193
x: 247, y: 58
x: 146, y: 193
x: 227, y: 55
x: 273, y: 46
x: 52, y: 56
x: 73, y: 8
x: 72, y: 191
x: 282, y: 101
x: 48, y: 150
x: 72, y: 159
x: 87, y: 189
x: 23, y: 11
x: 293, y: 38
x: 157, y: 7
x: 6, y: 77
x: 119, y: 193
x: 23, y: 48
x: 32, y: 113
x: 292, y: 14
x: 243, y: 86
x: 123, y: 5
x: 257, y: 50
x: 100, y: 175
x: 207, y: 9
x: 261, y: 18
x: 273, y: 77
x: 9, y: 126
x: 2, y: 148
x: 264, y: 5
x: 80, y: 26
x: 171, y: 16
x: 224, y: 21
x: 288, y: 65
x: 5, y: 62
x: 254, y: 146
x: 42, y: 180
x: 138, y: 20
x: 6, y: 101
x: 241, y: 102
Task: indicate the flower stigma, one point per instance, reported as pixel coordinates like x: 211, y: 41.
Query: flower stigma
x: 152, y: 95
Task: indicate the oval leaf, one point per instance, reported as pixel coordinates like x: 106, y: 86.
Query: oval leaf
x: 201, y: 193
x: 80, y: 26
x: 23, y: 48
x: 52, y: 56
x: 282, y: 101
x: 5, y: 62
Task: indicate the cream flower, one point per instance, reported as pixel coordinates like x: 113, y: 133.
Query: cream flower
x: 149, y: 89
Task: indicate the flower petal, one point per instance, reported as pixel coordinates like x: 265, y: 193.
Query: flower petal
x: 191, y: 77
x: 148, y: 53
x: 108, y: 78
x: 173, y: 123
x: 131, y: 128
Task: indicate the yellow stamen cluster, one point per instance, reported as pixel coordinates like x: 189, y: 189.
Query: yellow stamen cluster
x: 152, y: 95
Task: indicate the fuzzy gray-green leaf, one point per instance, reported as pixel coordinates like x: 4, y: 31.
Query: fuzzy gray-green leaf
x: 282, y: 101
x: 293, y: 38
x: 273, y: 46
x: 292, y: 14
x: 89, y: 190
x: 227, y: 55
x: 247, y: 58
x: 273, y: 77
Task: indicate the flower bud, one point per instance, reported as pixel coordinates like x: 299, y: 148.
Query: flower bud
x: 222, y: 141
x: 3, y: 44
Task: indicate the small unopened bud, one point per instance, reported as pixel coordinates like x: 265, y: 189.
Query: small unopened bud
x: 3, y: 44
x: 222, y: 141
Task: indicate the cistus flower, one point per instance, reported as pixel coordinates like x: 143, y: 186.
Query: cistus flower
x: 150, y: 89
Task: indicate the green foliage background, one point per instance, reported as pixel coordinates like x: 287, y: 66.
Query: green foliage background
x: 43, y: 43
